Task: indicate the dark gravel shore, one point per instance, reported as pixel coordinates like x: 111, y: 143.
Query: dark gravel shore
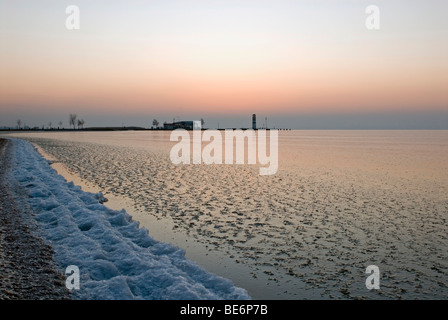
x: 27, y: 270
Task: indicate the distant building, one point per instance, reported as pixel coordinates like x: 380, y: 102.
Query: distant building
x: 188, y: 125
x: 254, y: 121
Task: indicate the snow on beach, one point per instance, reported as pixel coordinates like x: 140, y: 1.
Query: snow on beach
x: 117, y: 258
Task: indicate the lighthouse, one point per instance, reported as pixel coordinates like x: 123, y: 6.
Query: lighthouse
x: 254, y: 122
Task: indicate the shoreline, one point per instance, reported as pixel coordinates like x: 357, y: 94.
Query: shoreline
x: 117, y: 259
x: 167, y: 232
x: 27, y: 268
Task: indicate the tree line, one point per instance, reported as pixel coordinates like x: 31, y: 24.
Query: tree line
x: 74, y: 121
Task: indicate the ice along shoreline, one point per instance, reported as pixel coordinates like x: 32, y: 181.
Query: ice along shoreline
x: 116, y: 257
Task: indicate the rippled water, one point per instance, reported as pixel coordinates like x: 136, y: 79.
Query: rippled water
x: 340, y: 201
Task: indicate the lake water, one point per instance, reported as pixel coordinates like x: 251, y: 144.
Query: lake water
x: 339, y: 202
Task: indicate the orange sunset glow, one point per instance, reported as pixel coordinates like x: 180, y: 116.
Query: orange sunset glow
x: 222, y: 58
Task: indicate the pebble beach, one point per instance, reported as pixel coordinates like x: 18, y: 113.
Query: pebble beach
x: 27, y: 270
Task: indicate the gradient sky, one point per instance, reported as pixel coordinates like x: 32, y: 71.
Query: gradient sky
x: 303, y: 64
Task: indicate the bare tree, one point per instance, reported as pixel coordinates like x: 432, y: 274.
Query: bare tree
x: 19, y: 123
x: 60, y: 124
x: 155, y: 123
x: 202, y: 122
x: 81, y: 123
x: 49, y: 125
x: 73, y: 120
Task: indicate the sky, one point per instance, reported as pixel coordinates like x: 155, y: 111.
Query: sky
x: 302, y: 64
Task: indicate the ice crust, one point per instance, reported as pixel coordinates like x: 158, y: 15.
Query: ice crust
x: 116, y: 257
